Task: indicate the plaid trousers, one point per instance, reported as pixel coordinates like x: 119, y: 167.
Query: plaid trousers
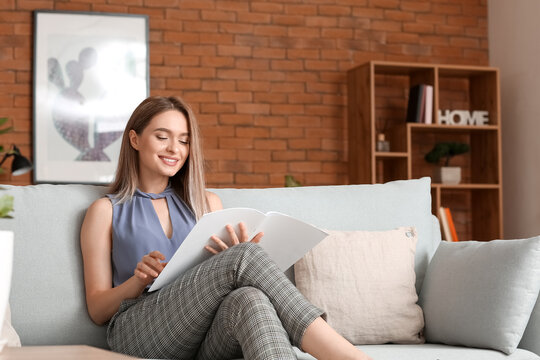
x: 237, y: 303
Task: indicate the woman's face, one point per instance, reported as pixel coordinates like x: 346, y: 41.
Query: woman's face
x: 163, y: 145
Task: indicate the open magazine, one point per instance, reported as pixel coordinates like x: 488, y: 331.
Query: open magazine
x: 285, y: 239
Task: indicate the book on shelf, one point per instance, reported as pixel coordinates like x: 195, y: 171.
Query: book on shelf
x: 451, y: 225
x: 420, y: 104
x: 447, y: 224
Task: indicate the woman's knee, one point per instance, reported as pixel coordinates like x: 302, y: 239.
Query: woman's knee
x: 246, y: 296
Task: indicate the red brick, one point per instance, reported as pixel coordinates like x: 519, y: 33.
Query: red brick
x: 255, y: 155
x: 252, y: 64
x: 289, y: 155
x: 251, y: 179
x: 253, y: 86
x: 270, y: 144
x: 402, y: 38
x: 209, y: 15
x: 305, y: 166
x: 304, y: 144
x: 175, y: 14
x: 253, y: 108
x: 236, y: 119
x: 214, y: 179
x: 270, y: 30
x: 286, y: 133
x: 198, y: 72
x: 336, y: 10
x: 181, y: 60
x: 304, y: 32
x: 421, y: 28
x: 270, y: 120
x: 285, y: 87
x: 233, y: 74
x: 269, y: 53
x: 235, y: 28
x: 234, y: 166
x: 303, y: 54
x: 289, y: 20
x: 217, y: 61
x: 218, y: 108
x: 253, y: 132
x: 386, y: 25
x: 218, y: 85
x: 388, y: 4
x: 321, y: 21
x: 235, y: 143
x: 234, y: 96
x: 270, y: 167
x: 301, y: 98
x: 265, y: 97
x: 253, y: 18
x: 262, y: 6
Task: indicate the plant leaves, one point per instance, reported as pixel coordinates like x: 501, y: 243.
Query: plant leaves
x: 6, y: 206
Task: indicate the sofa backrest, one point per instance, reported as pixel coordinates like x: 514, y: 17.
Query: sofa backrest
x: 47, y: 295
x: 353, y: 207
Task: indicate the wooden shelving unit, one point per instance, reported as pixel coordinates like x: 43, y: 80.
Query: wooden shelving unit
x: 377, y: 103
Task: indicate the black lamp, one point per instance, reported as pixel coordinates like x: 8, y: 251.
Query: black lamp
x: 20, y: 165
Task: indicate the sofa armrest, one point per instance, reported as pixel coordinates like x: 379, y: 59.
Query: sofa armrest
x: 530, y: 340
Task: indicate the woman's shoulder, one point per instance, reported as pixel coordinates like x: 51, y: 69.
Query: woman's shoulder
x: 213, y: 201
x: 101, y: 205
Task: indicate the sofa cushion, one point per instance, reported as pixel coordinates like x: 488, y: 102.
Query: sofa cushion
x: 353, y: 207
x: 364, y: 281
x: 481, y: 294
x: 47, y: 293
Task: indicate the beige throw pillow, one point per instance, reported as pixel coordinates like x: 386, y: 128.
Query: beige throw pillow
x: 365, y: 282
x: 8, y: 333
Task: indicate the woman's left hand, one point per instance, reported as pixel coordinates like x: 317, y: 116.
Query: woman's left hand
x: 234, y: 238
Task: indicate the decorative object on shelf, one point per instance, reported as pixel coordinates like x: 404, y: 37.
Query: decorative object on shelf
x: 447, y: 174
x: 464, y: 117
x: 420, y: 104
x: 90, y: 72
x: 290, y: 181
x: 383, y: 145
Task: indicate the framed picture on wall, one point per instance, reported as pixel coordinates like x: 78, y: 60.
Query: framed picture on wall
x: 90, y: 72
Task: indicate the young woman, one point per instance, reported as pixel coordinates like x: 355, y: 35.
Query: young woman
x: 237, y: 303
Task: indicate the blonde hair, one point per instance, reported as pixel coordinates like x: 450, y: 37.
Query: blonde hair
x: 188, y: 182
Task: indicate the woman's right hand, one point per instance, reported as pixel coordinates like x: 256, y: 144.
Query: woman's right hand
x: 149, y: 267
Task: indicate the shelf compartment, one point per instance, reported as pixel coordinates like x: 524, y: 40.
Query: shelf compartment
x: 475, y: 211
x: 478, y: 166
x: 389, y: 169
x: 469, y: 89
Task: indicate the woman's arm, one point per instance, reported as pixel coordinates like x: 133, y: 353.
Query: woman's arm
x: 102, y: 299
x: 214, y: 201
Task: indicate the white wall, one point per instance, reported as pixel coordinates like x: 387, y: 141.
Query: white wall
x: 514, y: 47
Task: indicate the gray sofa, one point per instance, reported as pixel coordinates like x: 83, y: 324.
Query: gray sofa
x: 47, y: 295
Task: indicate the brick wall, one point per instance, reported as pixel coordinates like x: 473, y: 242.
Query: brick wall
x: 266, y: 78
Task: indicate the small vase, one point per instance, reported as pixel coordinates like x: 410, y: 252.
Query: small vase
x: 448, y: 175
x: 6, y: 262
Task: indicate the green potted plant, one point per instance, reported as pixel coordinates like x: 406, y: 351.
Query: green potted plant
x: 446, y: 174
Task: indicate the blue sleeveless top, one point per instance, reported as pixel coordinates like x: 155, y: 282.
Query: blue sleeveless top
x: 136, y: 230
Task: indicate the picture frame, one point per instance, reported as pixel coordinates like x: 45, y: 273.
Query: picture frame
x: 91, y: 70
